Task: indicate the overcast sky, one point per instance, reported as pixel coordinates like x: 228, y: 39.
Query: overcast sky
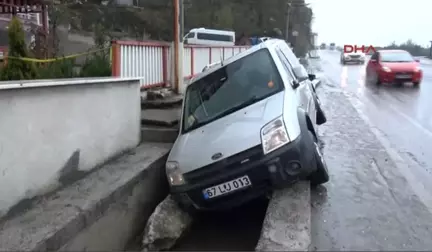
x: 375, y: 22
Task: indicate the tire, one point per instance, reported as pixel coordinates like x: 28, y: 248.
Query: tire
x: 416, y: 84
x: 321, y: 118
x: 320, y: 176
x: 367, y: 78
x: 378, y: 81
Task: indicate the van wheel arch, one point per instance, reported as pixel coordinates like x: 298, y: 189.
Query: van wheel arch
x: 305, y: 122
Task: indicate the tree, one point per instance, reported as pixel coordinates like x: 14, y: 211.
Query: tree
x: 16, y: 68
x: 153, y: 19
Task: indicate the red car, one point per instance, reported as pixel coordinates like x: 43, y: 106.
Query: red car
x: 393, y: 66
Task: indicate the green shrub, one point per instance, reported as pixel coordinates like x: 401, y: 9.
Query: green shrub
x: 62, y: 68
x: 17, y: 69
x: 97, y: 65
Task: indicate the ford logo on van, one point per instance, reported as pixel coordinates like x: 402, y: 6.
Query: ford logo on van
x: 217, y: 156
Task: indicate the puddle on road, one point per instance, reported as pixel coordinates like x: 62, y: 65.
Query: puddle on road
x: 235, y: 230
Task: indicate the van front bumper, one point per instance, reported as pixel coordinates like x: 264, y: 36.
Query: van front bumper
x: 277, y: 169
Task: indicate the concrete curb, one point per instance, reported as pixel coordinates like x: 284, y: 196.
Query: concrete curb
x: 101, y: 212
x: 167, y: 102
x: 159, y: 134
x: 287, y: 222
x: 161, y: 117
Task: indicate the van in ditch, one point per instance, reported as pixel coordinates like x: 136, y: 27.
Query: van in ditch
x: 248, y: 126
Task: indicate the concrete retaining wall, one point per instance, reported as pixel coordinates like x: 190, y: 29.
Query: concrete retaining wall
x: 54, y: 132
x: 104, y: 211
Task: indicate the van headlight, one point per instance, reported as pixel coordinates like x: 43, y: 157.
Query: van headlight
x: 175, y: 176
x: 274, y: 135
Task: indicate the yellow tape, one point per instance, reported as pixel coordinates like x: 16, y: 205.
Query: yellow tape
x: 55, y: 59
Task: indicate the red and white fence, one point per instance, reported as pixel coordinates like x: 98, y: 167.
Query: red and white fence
x: 152, y: 61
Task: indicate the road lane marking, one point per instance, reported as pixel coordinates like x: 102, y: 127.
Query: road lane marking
x: 412, y: 121
x: 360, y: 89
x: 344, y: 77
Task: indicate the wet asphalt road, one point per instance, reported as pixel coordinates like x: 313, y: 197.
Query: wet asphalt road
x: 375, y: 200
x: 402, y: 115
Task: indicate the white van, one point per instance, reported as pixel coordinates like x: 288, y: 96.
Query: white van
x: 248, y: 126
x: 202, y: 36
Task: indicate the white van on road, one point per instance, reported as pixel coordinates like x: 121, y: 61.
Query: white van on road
x: 248, y: 126
x: 203, y: 36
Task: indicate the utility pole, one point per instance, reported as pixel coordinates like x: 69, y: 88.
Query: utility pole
x: 288, y: 11
x: 178, y: 45
x: 430, y: 50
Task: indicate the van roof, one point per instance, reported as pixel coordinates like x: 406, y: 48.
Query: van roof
x: 210, y: 30
x: 270, y: 44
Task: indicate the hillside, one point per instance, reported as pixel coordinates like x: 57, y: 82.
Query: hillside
x: 153, y: 19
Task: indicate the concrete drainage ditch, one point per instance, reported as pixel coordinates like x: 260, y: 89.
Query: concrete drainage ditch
x: 282, y: 224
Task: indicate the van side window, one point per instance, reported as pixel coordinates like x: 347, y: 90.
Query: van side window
x: 216, y: 37
x: 285, y: 64
x: 292, y: 59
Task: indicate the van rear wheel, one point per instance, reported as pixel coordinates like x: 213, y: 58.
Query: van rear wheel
x: 320, y: 115
x: 320, y: 176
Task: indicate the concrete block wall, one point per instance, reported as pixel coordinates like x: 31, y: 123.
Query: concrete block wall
x: 54, y: 132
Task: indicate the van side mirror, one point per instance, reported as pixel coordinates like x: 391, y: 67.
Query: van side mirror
x: 301, y: 73
x: 295, y: 84
x: 312, y: 77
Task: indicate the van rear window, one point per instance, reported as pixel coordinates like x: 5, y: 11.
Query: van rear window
x: 215, y: 37
x: 230, y: 88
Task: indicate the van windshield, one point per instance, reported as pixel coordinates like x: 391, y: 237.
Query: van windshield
x: 230, y: 88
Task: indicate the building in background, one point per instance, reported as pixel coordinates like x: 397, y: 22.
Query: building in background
x: 314, y: 40
x: 31, y: 13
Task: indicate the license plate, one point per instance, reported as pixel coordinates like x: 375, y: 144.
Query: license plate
x: 227, y: 187
x: 403, y: 76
